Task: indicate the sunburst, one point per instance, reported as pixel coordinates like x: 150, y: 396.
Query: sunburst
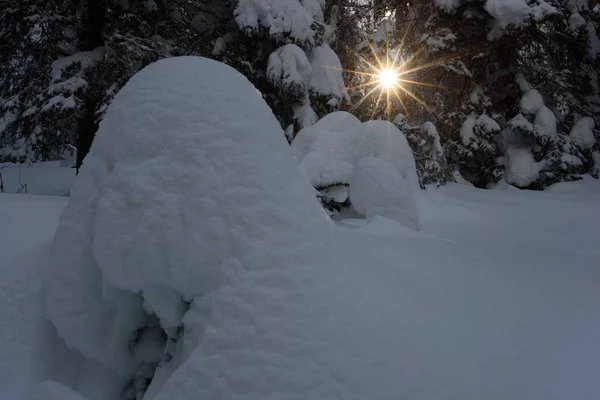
x: 388, y: 78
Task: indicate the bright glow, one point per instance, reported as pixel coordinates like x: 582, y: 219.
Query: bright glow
x: 388, y: 78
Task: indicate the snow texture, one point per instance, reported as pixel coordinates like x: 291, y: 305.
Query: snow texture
x: 280, y: 18
x: 510, y: 293
x: 378, y: 189
x: 483, y: 122
x: 521, y: 168
x: 447, y: 5
x: 545, y: 122
x: 289, y: 70
x: 172, y: 190
x: 46, y: 178
x: 490, y: 300
x: 507, y: 12
x: 327, y: 77
x: 583, y: 133
x: 531, y: 102
x: 576, y: 21
x: 329, y: 150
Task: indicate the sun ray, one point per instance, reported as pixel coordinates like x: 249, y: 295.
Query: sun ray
x: 354, y: 107
x: 401, y: 102
x: 376, y: 105
x: 422, y: 83
x: 428, y: 65
x: 362, y: 85
x: 416, y: 98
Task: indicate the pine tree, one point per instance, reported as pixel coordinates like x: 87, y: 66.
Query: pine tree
x: 285, y: 50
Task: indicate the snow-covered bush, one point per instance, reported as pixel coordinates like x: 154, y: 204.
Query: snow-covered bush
x: 377, y: 188
x: 172, y: 192
x: 536, y: 153
x: 329, y: 150
x: 477, y: 150
x: 425, y: 143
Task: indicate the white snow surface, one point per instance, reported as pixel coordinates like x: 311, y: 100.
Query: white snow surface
x: 521, y: 169
x: 378, y: 189
x: 327, y: 77
x: 173, y: 189
x: 329, y: 150
x: 531, y: 102
x: 583, y: 133
x: 489, y: 300
x: 507, y: 12
x: 545, y: 122
x: 289, y: 69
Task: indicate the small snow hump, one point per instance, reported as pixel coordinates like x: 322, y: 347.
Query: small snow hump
x: 189, y: 171
x: 377, y: 188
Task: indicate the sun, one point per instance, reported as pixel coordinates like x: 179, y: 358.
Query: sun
x: 388, y: 78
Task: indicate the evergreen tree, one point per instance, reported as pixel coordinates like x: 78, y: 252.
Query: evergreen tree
x: 284, y: 48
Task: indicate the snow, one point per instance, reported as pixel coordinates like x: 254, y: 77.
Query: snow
x: 85, y: 59
x: 531, y: 102
x: 484, y: 122
x: 326, y: 77
x: 279, y: 17
x: 593, y: 41
x: 51, y: 390
x: 315, y: 7
x: 583, y: 133
x: 47, y: 178
x: 447, y: 5
x: 489, y: 300
x: 576, y: 21
x: 521, y: 168
x: 378, y: 189
x: 545, y: 122
x: 467, y: 129
x: 289, y: 69
x: 508, y: 12
x: 329, y: 150
x: 172, y: 191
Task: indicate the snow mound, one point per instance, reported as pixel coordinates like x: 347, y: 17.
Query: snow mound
x: 583, y: 133
x: 378, y: 189
x: 329, y: 150
x: 172, y: 189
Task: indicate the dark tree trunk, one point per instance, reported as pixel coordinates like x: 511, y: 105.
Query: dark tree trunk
x: 91, y: 36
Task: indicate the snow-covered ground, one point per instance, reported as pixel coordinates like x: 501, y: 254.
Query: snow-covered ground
x: 497, y: 297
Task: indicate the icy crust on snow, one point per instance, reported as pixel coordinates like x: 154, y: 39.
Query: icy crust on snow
x: 377, y: 188
x: 172, y: 189
x: 329, y: 150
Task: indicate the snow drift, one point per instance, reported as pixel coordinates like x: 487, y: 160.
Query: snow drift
x: 377, y: 188
x: 172, y: 190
